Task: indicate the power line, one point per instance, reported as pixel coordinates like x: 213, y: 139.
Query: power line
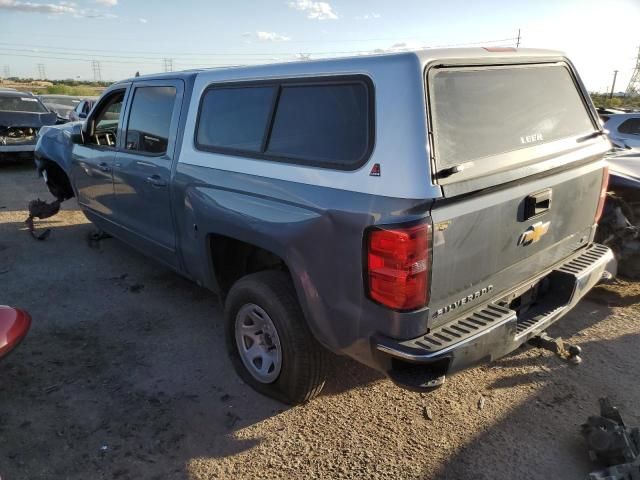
x: 105, y: 61
x: 122, y: 54
x: 83, y: 54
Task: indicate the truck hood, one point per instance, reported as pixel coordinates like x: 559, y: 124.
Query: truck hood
x: 626, y: 166
x: 27, y: 119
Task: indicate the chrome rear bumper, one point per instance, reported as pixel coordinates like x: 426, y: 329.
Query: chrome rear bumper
x: 494, y: 330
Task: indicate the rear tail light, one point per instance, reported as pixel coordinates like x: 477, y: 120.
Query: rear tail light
x: 603, y: 193
x: 398, y: 266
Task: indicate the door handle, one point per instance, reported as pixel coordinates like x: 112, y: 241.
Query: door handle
x: 156, y: 181
x: 104, y: 167
x: 537, y: 203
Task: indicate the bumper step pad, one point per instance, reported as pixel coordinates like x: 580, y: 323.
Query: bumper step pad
x: 451, y: 333
x: 481, y: 320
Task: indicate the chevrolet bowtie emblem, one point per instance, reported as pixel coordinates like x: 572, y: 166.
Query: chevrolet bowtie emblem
x: 534, y: 233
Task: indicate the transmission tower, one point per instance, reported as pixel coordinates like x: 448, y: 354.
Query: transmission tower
x: 7, y: 71
x: 634, y: 84
x: 41, y: 72
x: 168, y: 64
x: 97, y: 75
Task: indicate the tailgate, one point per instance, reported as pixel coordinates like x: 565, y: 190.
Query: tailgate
x: 517, y: 151
x: 485, y: 244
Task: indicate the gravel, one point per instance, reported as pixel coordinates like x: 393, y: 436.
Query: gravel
x: 124, y: 376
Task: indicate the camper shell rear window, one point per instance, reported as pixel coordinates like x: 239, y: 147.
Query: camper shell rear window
x: 479, y: 113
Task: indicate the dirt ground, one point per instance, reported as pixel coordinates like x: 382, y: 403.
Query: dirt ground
x: 124, y: 376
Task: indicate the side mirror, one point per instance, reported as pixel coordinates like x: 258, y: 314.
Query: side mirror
x: 82, y: 115
x: 89, y: 129
x: 77, y: 136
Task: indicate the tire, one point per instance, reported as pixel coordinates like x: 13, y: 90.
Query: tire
x: 301, y: 372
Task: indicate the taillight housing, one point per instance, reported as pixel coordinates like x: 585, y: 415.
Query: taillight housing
x: 603, y: 193
x: 398, y: 264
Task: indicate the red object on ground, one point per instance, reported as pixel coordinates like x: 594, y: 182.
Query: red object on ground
x: 14, y: 325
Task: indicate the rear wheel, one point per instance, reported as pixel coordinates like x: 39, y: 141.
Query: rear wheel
x: 269, y: 342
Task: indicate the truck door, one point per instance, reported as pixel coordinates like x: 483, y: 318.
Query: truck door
x: 142, y: 168
x: 92, y: 162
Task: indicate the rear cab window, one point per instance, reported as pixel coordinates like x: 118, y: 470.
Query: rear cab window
x: 326, y: 123
x: 482, y: 116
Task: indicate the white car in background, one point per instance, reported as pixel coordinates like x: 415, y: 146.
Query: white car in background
x: 624, y: 129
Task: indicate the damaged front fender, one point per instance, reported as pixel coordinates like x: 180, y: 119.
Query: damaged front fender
x: 55, y: 145
x: 53, y: 156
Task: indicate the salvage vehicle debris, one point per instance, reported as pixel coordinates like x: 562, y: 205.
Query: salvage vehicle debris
x: 21, y: 117
x: 612, y: 444
x: 619, y: 227
x: 41, y: 209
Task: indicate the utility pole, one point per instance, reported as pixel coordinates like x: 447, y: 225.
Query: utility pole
x: 634, y: 84
x: 7, y: 71
x: 613, y: 85
x: 168, y: 64
x: 518, y: 40
x: 97, y: 74
x: 41, y: 72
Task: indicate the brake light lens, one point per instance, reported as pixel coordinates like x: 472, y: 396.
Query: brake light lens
x: 603, y: 193
x: 500, y: 49
x: 398, y: 266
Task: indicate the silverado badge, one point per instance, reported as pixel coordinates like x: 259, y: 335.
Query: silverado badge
x: 463, y: 301
x: 534, y: 233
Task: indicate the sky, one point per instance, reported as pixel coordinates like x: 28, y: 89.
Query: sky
x: 73, y: 39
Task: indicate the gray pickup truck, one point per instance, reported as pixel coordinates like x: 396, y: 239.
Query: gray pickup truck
x: 420, y: 212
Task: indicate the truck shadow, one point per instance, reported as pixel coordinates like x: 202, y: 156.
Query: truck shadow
x: 124, y: 373
x: 540, y: 438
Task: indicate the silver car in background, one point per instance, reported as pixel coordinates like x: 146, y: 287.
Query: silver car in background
x: 61, y: 105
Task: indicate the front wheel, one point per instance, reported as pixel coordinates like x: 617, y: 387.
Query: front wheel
x: 269, y: 342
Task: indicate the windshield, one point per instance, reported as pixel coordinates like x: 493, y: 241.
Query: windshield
x: 17, y: 103
x: 66, y: 101
x: 480, y: 112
